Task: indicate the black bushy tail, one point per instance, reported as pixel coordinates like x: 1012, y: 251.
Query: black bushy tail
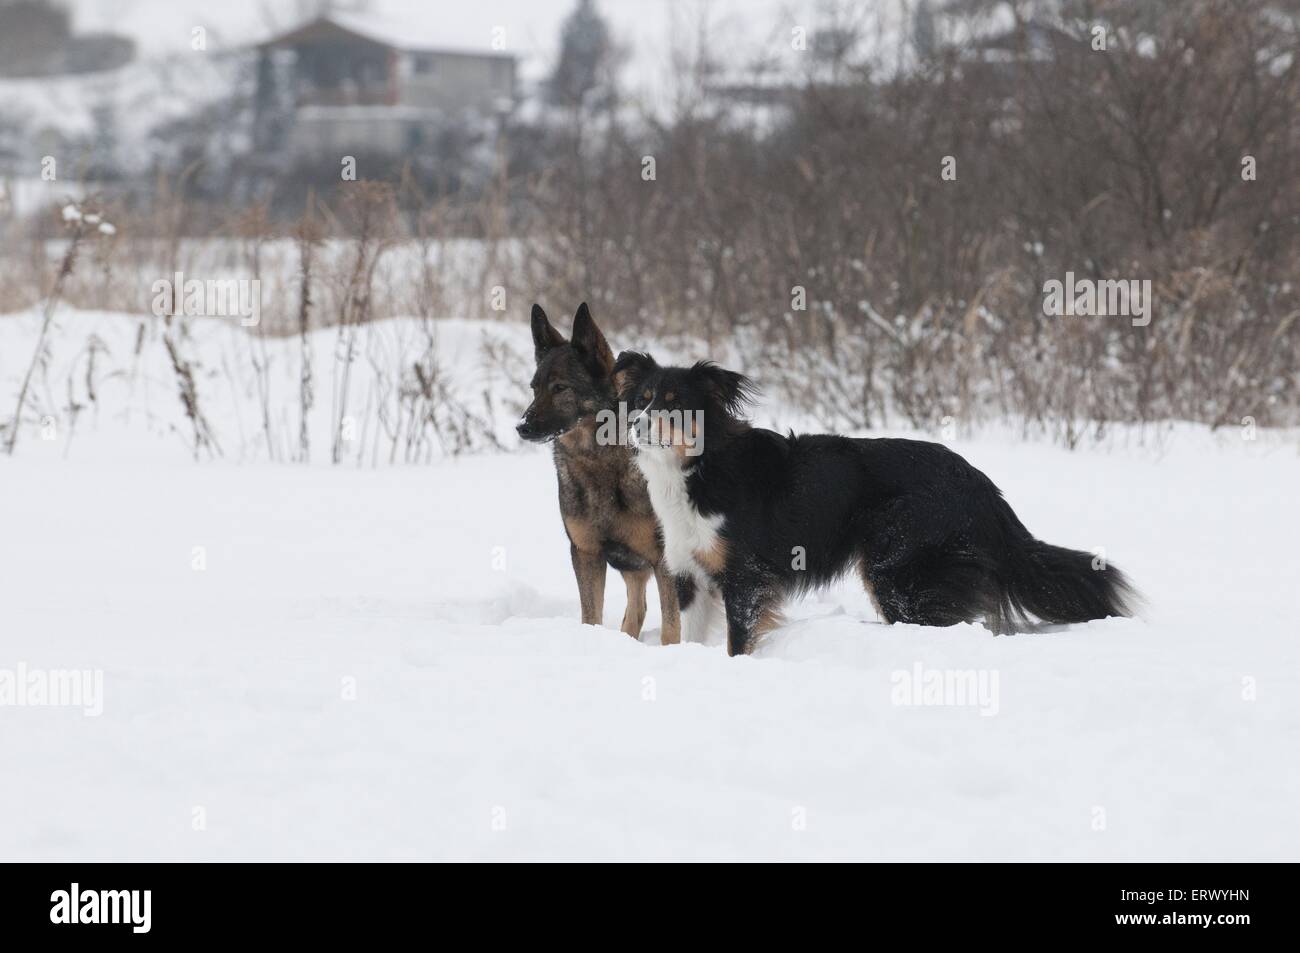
x: 1059, y: 585
x: 1055, y: 585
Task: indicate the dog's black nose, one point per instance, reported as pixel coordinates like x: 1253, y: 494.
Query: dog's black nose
x: 523, y: 429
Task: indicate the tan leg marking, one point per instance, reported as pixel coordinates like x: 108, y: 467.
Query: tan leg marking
x: 871, y: 591
x: 671, y: 633
x: 771, y: 618
x: 634, y: 615
x: 588, y: 567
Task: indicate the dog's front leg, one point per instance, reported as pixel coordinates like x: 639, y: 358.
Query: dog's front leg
x: 634, y: 615
x: 671, y: 631
x: 752, y: 606
x: 589, y: 567
x: 700, y: 604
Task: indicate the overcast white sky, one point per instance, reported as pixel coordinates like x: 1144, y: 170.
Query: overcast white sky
x: 647, y: 29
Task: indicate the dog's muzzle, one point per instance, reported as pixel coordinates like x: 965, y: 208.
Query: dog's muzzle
x: 638, y: 433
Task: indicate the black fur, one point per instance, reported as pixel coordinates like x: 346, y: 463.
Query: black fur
x: 932, y: 537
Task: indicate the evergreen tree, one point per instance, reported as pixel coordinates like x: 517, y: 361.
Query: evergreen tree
x: 583, y: 72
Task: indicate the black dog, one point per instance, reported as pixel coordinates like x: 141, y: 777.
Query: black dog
x: 754, y: 516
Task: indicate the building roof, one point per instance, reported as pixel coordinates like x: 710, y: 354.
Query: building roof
x: 411, y: 35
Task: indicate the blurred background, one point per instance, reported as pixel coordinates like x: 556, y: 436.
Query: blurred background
x: 857, y: 202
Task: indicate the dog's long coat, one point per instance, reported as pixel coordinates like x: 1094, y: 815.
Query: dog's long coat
x: 755, y: 517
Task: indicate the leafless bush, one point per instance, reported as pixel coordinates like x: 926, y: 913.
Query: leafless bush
x: 873, y: 286
x: 369, y: 212
x: 824, y: 243
x: 307, y: 234
x: 204, y: 439
x: 79, y: 226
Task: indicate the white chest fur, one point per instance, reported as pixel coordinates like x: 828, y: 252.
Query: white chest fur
x: 686, y: 531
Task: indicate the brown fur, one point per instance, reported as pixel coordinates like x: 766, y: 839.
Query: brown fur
x: 634, y: 615
x: 682, y: 443
x: 603, y: 500
x: 589, y: 568
x: 582, y: 534
x: 607, y: 511
x: 713, y: 560
x: 771, y: 618
x: 671, y: 632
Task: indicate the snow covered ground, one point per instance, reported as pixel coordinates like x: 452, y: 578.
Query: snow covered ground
x: 359, y: 662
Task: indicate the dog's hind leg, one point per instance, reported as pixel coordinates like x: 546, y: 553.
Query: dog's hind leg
x: 589, y: 567
x: 927, y: 591
x: 636, y: 581
x: 671, y: 631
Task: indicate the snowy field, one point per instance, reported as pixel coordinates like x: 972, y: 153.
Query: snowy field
x: 303, y: 661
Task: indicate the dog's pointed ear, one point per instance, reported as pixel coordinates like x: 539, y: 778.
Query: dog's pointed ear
x: 630, y: 367
x: 545, y: 337
x: 590, y: 343
x: 730, y: 389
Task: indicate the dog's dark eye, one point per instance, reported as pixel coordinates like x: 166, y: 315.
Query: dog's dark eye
x: 647, y: 394
x: 559, y: 388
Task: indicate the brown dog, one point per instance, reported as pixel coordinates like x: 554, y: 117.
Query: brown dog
x: 603, y: 500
